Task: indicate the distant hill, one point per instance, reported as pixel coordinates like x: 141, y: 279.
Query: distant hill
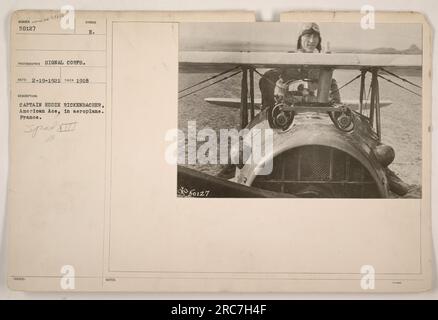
x: 413, y: 49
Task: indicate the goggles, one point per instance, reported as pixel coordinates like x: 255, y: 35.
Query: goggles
x: 310, y: 28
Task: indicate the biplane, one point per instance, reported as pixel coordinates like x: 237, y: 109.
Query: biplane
x: 321, y: 148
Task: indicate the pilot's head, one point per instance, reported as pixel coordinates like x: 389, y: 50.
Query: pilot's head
x: 309, y: 39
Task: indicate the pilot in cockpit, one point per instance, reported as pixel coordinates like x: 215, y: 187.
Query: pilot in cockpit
x: 301, y: 84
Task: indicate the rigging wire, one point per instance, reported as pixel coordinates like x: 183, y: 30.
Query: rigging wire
x: 398, y: 85
x: 209, y: 85
x: 403, y: 79
x: 211, y: 78
x: 345, y: 84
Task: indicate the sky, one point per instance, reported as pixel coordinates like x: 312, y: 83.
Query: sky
x: 267, y: 36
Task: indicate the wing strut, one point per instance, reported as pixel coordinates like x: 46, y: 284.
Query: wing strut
x: 244, y: 98
x: 251, y: 92
x: 374, y: 105
x: 362, y: 89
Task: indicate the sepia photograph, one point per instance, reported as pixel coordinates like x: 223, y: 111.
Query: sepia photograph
x: 300, y: 110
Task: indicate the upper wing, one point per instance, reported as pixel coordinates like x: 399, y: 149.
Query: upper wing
x: 203, y: 60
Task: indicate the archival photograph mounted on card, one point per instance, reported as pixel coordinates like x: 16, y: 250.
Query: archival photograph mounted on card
x: 304, y: 110
x: 142, y: 144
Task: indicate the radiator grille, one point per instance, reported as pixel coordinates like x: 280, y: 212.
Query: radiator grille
x: 319, y: 171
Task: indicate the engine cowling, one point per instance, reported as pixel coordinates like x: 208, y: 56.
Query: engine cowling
x: 316, y: 171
